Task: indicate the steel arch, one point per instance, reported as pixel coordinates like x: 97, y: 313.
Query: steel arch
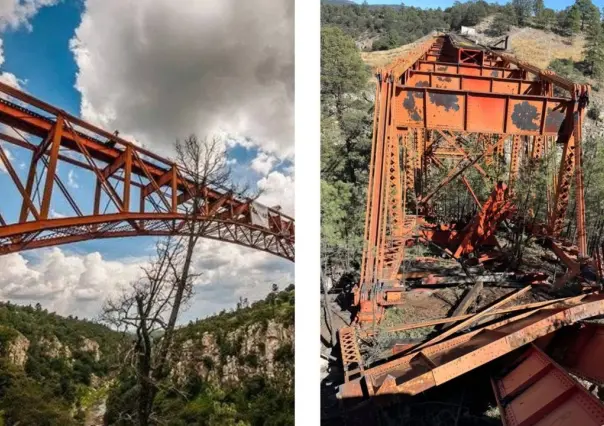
x: 143, y: 193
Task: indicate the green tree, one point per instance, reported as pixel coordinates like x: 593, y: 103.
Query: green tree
x: 523, y: 9
x: 547, y: 19
x: 342, y: 70
x: 594, y: 50
x: 588, y: 13
x: 501, y: 24
x: 538, y: 8
x: 573, y: 20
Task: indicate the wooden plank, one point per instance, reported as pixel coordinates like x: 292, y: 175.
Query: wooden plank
x: 438, y: 321
x: 474, y: 318
x: 468, y: 299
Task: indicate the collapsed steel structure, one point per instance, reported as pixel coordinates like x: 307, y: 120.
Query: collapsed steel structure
x: 136, y: 191
x: 428, y: 104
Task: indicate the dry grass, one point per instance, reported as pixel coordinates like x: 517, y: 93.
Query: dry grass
x: 540, y: 48
x: 382, y: 58
x: 528, y: 44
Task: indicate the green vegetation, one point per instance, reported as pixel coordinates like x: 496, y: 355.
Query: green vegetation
x: 53, y: 385
x: 346, y: 111
x: 391, y: 26
x: 256, y: 399
x: 277, y: 306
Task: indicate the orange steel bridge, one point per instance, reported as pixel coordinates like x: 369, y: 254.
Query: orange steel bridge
x: 429, y: 104
x: 136, y: 193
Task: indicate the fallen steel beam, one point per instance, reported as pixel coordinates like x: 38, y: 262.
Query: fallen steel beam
x: 538, y: 392
x: 581, y: 351
x: 404, y: 327
x: 454, y: 357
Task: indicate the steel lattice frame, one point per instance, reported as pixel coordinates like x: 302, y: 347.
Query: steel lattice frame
x: 445, y: 90
x: 137, y: 192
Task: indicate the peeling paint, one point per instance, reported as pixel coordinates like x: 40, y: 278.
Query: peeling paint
x: 441, y: 68
x: 447, y: 79
x: 445, y: 100
x: 554, y: 120
x: 409, y: 105
x: 422, y: 83
x: 525, y: 116
x: 494, y: 73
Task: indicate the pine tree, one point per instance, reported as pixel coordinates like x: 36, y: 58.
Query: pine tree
x: 523, y: 10
x: 548, y: 18
x: 342, y: 69
x: 573, y: 20
x: 594, y: 49
x: 588, y: 13
x: 538, y: 8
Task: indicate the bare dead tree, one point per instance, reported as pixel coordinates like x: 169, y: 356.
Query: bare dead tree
x: 143, y: 308
x: 204, y: 163
x: 151, y: 305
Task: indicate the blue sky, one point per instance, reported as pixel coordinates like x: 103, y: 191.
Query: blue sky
x: 42, y: 59
x: 42, y: 56
x: 39, y: 55
x: 554, y: 4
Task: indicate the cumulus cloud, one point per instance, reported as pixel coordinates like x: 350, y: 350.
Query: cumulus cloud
x: 263, y: 163
x: 16, y: 13
x: 278, y: 190
x: 229, y: 272
x: 159, y: 71
x: 65, y: 283
x: 78, y: 284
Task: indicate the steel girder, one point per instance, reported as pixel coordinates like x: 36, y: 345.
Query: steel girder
x: 536, y: 391
x: 423, y: 367
x: 137, y: 192
x: 450, y: 89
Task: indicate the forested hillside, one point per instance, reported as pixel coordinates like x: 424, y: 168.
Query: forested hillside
x: 347, y: 90
x: 234, y: 368
x: 386, y: 27
x: 52, y: 369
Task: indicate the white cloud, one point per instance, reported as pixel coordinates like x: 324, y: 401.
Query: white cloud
x: 55, y: 214
x: 278, y: 190
x: 16, y: 13
x: 263, y: 163
x: 229, y: 272
x: 76, y: 284
x: 11, y: 79
x: 71, y: 179
x: 159, y: 71
x: 63, y: 282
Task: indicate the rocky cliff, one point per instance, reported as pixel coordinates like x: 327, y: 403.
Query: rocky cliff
x: 235, y: 368
x: 52, y: 369
x: 252, y: 349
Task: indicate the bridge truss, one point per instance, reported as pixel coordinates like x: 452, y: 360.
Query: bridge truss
x: 449, y: 99
x: 452, y: 102
x: 135, y: 192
